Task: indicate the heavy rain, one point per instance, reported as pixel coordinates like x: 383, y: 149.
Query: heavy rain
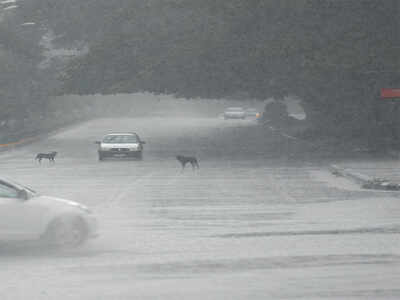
x: 182, y: 149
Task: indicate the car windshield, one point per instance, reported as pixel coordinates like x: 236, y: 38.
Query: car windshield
x: 120, y: 139
x: 17, y: 185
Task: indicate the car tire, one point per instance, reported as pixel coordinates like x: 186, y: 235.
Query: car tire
x: 68, y: 232
x: 101, y: 158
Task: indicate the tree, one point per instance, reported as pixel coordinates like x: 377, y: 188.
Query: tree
x: 334, y: 54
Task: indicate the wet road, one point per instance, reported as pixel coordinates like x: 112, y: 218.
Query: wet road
x: 249, y: 224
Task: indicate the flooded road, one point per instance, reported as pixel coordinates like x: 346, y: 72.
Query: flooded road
x: 249, y: 224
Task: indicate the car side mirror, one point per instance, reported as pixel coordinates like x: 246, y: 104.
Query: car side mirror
x: 23, y: 194
x: 97, y: 142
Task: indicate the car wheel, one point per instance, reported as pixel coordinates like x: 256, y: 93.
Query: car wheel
x: 101, y: 158
x: 66, y: 233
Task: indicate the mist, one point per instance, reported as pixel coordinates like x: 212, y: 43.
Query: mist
x: 185, y: 149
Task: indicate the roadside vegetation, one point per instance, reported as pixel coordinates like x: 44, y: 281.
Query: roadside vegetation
x: 335, y: 55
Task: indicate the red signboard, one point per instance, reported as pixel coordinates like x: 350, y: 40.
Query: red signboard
x: 390, y: 93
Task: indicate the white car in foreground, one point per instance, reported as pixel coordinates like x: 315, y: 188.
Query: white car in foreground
x: 26, y: 216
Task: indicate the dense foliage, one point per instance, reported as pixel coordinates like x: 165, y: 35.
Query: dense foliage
x: 334, y: 54
x: 20, y: 89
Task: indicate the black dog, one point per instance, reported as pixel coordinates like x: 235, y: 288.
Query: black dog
x: 50, y: 156
x: 188, y: 159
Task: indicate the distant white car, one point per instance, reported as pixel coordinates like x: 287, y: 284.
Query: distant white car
x: 27, y: 216
x: 234, y: 113
x: 120, y: 145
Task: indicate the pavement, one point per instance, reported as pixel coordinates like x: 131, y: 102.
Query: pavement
x: 251, y: 223
x: 368, y: 171
x: 383, y: 171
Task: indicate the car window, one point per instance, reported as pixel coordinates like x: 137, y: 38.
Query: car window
x: 20, y: 186
x: 8, y: 191
x: 120, y: 139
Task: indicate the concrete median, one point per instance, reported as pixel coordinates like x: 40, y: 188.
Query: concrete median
x: 363, y: 180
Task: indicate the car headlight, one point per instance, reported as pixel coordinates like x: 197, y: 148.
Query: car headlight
x: 134, y: 148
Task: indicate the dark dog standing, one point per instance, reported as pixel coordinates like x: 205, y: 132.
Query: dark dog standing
x: 188, y: 159
x: 50, y: 156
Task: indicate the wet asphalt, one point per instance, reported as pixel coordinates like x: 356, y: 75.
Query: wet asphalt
x: 251, y: 223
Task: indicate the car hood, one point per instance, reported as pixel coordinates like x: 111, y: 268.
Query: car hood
x: 125, y: 145
x: 234, y: 112
x: 57, y: 203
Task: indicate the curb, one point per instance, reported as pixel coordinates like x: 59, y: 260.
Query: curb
x: 22, y: 142
x: 365, y: 181
x: 347, y: 173
x: 273, y: 129
x: 35, y: 138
